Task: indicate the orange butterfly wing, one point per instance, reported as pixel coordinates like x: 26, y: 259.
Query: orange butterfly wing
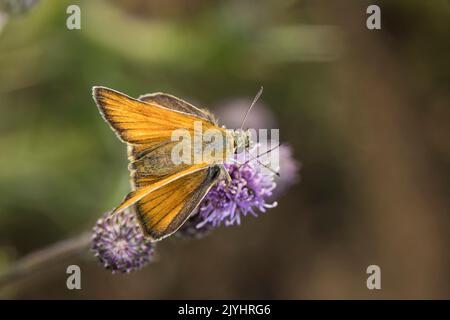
x: 165, y: 193
x: 142, y: 123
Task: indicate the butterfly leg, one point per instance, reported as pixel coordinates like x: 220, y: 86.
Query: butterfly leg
x: 225, y: 173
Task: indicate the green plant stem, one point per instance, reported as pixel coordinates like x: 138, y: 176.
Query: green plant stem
x: 40, y: 260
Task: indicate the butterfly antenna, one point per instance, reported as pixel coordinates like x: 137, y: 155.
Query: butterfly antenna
x: 268, y: 168
x: 261, y: 154
x: 258, y: 95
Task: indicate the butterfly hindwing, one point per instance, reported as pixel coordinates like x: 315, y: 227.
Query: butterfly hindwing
x: 174, y: 103
x: 164, y: 210
x: 153, y: 164
x: 150, y: 184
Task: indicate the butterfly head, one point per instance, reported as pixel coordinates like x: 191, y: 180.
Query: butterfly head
x: 241, y: 140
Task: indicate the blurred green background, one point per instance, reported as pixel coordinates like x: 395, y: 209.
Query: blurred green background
x: 367, y: 113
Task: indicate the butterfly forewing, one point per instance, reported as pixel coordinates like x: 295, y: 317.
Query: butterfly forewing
x: 142, y: 123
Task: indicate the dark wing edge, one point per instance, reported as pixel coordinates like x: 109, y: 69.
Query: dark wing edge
x: 193, y: 201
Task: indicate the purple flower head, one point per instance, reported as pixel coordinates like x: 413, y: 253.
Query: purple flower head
x: 119, y: 244
x: 231, y: 112
x: 246, y: 193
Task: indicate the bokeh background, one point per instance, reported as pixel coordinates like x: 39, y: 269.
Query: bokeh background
x: 366, y: 112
